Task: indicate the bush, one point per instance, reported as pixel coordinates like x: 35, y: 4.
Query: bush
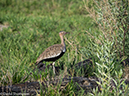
x: 110, y: 44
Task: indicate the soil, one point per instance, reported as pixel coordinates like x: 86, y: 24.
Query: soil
x: 86, y: 83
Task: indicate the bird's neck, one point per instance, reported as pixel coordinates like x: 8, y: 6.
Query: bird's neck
x: 62, y: 40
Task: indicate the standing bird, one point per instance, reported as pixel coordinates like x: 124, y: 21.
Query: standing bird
x: 54, y: 52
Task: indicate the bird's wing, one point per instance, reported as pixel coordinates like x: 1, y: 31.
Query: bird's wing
x: 51, y: 52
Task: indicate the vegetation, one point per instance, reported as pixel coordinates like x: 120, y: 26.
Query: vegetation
x: 99, y: 30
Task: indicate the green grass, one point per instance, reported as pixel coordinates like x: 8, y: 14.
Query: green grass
x: 34, y: 25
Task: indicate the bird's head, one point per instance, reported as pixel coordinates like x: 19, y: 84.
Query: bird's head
x: 62, y: 33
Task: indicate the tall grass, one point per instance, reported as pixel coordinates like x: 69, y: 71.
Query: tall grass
x: 109, y: 44
x: 112, y: 19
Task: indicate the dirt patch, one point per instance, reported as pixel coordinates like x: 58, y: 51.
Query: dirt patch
x: 87, y: 84
x: 2, y: 27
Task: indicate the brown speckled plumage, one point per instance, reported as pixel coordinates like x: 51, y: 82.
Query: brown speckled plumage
x: 54, y: 52
x: 50, y: 52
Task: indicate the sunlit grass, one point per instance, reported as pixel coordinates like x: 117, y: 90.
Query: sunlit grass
x: 34, y: 26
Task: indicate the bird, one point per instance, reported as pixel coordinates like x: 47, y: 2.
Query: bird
x: 53, y: 52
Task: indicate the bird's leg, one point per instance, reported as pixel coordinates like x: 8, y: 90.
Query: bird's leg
x: 53, y: 64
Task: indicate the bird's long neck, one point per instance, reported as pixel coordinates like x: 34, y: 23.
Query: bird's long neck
x: 62, y: 40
